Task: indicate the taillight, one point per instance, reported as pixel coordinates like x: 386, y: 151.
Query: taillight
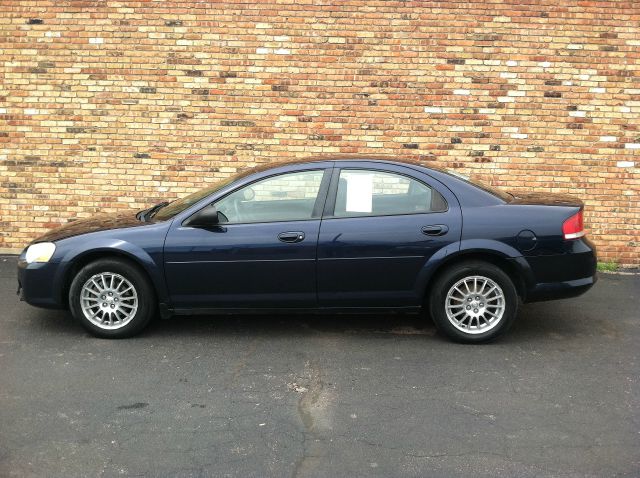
x: 573, y: 228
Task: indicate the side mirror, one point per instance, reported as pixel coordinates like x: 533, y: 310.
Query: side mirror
x: 205, y: 217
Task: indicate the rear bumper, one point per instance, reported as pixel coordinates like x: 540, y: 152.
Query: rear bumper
x: 560, y: 290
x: 560, y: 276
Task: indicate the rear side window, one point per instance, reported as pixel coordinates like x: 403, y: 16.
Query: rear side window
x: 376, y: 193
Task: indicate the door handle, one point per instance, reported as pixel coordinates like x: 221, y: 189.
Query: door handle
x: 291, y: 237
x: 435, y: 230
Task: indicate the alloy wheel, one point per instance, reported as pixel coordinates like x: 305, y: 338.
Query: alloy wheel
x: 109, y: 300
x: 475, y: 304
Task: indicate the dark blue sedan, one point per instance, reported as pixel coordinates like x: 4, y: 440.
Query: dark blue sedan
x: 319, y: 236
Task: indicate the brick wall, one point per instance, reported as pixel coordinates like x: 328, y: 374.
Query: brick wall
x: 107, y: 106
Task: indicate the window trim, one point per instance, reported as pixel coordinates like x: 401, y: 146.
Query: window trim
x: 316, y: 213
x: 330, y: 205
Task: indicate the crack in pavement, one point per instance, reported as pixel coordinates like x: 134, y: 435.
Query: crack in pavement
x: 311, y: 408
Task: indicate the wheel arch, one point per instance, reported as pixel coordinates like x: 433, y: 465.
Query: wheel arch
x: 79, y: 261
x: 515, y: 267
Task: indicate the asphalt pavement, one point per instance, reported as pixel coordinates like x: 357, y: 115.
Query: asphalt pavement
x: 333, y: 396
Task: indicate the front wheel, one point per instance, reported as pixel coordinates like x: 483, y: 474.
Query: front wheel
x: 473, y: 302
x: 111, y: 298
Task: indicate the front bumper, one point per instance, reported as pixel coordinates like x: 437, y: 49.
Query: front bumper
x: 37, y: 284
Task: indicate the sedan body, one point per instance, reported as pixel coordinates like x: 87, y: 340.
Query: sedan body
x: 329, y: 235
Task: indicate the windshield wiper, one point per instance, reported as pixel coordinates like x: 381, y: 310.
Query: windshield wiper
x: 147, y: 214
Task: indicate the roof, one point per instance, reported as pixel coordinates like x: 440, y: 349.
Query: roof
x: 386, y: 159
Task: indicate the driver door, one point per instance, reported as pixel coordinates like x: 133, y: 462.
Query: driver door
x: 261, y: 254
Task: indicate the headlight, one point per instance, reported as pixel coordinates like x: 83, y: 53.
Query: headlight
x: 40, y: 252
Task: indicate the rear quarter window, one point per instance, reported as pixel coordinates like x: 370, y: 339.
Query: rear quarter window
x: 505, y: 196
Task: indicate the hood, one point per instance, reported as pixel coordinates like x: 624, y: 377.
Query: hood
x: 545, y: 199
x: 93, y: 224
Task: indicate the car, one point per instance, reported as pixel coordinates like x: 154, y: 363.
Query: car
x: 334, y: 235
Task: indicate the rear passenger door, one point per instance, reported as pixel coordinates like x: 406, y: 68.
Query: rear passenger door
x: 381, y: 225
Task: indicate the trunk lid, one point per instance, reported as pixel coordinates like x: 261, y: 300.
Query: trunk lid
x: 545, y: 199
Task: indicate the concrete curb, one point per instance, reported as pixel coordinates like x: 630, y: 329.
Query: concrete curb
x: 630, y: 272
x: 8, y: 251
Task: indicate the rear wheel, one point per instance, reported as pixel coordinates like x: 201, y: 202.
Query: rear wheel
x: 473, y: 302
x: 111, y: 298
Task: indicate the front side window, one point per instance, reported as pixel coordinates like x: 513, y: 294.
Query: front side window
x: 377, y: 193
x: 286, y: 197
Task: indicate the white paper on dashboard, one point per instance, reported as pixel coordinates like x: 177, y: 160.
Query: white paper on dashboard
x: 360, y: 193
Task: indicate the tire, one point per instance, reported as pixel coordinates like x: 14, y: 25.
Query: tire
x: 127, y: 305
x: 456, y: 310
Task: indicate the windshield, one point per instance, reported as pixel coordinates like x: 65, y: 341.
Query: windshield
x: 179, y: 205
